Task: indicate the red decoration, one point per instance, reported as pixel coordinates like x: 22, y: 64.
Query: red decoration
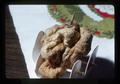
x: 97, y: 32
x: 62, y: 20
x: 105, y: 15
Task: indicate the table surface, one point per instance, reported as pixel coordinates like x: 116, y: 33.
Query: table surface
x: 14, y: 59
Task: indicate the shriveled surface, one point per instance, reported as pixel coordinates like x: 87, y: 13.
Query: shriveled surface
x: 56, y: 53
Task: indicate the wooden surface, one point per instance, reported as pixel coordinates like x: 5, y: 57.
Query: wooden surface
x: 15, y: 63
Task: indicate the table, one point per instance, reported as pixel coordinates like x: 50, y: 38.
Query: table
x: 14, y: 60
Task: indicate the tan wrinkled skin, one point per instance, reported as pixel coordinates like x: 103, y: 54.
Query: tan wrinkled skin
x: 60, y: 48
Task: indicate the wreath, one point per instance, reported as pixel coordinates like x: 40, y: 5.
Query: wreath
x: 103, y: 28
